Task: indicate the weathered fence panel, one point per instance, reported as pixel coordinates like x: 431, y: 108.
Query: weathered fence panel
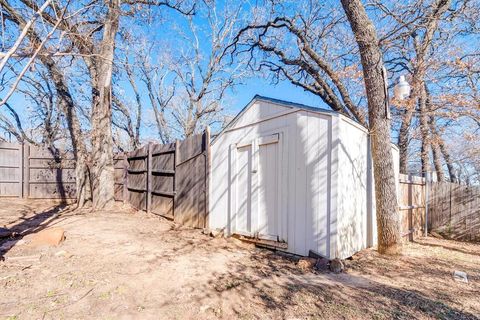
x: 137, y: 178
x: 191, y: 181
x: 411, y: 200
x: 120, y: 170
x: 454, y: 210
x: 11, y: 169
x: 49, y: 174
x: 162, y: 179
x: 172, y: 179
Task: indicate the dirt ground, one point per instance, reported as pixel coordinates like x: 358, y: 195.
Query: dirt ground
x: 123, y: 264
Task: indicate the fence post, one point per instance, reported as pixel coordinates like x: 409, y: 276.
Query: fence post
x: 427, y: 191
x: 175, y: 161
x: 206, y: 138
x: 149, y: 177
x: 125, y: 178
x: 26, y: 170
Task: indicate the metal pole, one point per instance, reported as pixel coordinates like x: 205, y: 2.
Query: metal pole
x: 427, y: 194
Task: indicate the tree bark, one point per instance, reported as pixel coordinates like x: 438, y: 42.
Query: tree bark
x: 448, y: 161
x: 437, y: 161
x: 102, y: 141
x: 425, y: 143
x: 403, y: 139
x: 433, y: 142
x: 388, y: 227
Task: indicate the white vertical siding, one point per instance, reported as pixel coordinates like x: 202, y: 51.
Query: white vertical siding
x: 352, y: 188
x: 309, y: 213
x: 334, y: 186
x: 318, y: 183
x: 298, y: 218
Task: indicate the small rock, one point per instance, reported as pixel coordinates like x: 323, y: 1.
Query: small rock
x: 460, y: 276
x: 206, y: 231
x: 336, y: 265
x: 51, y: 237
x: 306, y: 263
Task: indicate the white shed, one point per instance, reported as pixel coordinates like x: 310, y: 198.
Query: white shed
x: 294, y: 174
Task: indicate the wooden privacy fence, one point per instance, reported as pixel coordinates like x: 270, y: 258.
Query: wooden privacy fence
x: 28, y: 171
x: 171, y: 180
x: 411, y: 199
x: 454, y: 210
x: 11, y: 170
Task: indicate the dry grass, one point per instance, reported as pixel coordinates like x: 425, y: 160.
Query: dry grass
x: 127, y: 264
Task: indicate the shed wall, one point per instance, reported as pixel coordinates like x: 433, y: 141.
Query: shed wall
x: 310, y: 214
x: 305, y: 157
x: 352, y: 207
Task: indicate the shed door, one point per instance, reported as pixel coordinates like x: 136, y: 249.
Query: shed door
x: 267, y: 223
x: 257, y: 188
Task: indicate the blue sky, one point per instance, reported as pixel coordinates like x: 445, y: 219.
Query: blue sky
x: 284, y: 90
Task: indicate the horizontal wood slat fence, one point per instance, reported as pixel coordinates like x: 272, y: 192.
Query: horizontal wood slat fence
x: 171, y: 180
x: 28, y: 171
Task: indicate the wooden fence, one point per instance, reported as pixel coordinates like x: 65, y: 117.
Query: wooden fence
x: 411, y: 199
x: 454, y: 210
x: 171, y: 180
x: 11, y: 170
x: 33, y: 172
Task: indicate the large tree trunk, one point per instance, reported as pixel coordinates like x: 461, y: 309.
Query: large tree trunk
x: 102, y: 141
x: 403, y: 139
x: 422, y: 108
x: 437, y: 161
x: 388, y: 227
x: 436, y: 152
x: 67, y: 107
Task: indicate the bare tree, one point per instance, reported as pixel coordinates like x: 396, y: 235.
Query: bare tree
x: 418, y: 34
x: 27, y: 28
x: 188, y: 83
x: 304, y: 50
x: 388, y: 225
x: 204, y: 76
x: 94, y: 41
x: 64, y: 100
